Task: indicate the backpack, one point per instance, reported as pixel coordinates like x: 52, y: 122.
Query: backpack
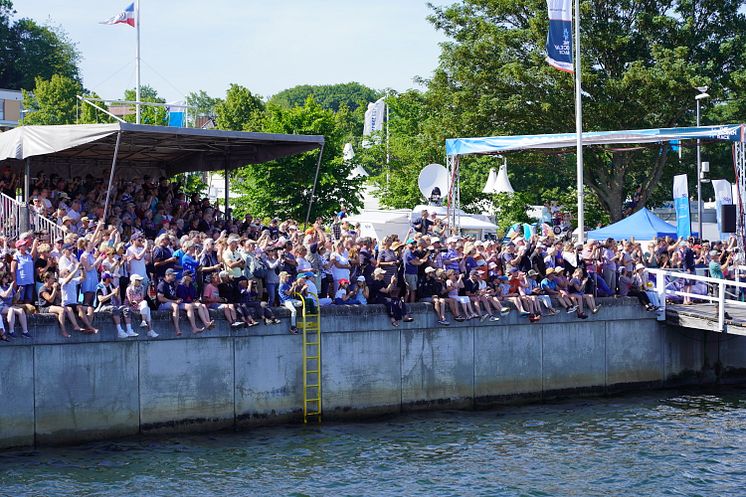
x: 258, y: 268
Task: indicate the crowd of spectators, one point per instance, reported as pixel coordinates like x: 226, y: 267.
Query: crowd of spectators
x: 158, y: 249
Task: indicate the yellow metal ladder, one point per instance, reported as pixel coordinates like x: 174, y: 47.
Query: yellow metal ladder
x: 310, y: 324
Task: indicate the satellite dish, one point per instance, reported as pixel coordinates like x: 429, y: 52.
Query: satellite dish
x: 489, y: 187
x: 431, y: 177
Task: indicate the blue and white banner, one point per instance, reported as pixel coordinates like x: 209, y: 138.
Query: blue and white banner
x: 497, y: 144
x: 723, y: 196
x: 559, y: 38
x: 681, y: 205
x: 176, y: 115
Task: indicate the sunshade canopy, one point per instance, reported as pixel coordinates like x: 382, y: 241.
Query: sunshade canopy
x: 145, y: 149
x: 643, y: 225
x: 499, y: 144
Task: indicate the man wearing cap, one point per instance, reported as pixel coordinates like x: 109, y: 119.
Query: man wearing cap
x: 108, y: 300
x: 169, y: 301
x: 549, y: 287
x: 135, y: 300
x: 412, y: 263
x: 423, y: 223
x: 163, y: 258
x: 313, y: 289
x: 232, y: 260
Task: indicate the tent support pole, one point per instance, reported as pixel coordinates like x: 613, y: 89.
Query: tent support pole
x: 27, y: 190
x: 227, y: 189
x: 313, y: 189
x: 111, y: 176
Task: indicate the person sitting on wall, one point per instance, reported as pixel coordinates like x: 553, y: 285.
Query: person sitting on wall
x: 107, y: 296
x: 135, y: 300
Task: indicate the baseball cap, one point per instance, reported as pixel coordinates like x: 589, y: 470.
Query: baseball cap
x: 170, y: 271
x: 136, y: 277
x: 429, y: 269
x: 361, y: 279
x: 379, y: 270
x: 344, y: 281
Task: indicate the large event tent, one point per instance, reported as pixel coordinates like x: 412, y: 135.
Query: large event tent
x: 735, y: 133
x: 642, y: 225
x: 134, y: 150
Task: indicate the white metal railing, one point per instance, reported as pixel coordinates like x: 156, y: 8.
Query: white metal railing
x: 664, y: 278
x: 46, y: 225
x: 11, y: 217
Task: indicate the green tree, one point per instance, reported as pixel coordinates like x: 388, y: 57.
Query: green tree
x: 90, y: 115
x: 240, y: 110
x: 204, y: 105
x: 148, y: 114
x: 52, y: 101
x: 283, y: 187
x: 333, y: 97
x: 29, y: 50
x: 640, y: 63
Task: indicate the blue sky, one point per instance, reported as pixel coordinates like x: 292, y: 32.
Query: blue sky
x: 268, y: 46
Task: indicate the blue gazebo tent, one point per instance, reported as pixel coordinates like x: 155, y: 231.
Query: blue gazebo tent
x: 642, y: 225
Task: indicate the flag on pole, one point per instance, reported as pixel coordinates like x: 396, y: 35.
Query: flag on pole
x: 127, y: 16
x: 681, y: 205
x: 374, y: 118
x: 559, y: 38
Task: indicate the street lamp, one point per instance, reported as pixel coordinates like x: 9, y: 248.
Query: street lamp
x: 702, y: 95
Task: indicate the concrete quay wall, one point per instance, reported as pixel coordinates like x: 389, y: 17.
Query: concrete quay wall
x: 56, y: 390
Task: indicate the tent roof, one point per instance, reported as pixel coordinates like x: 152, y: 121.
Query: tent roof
x: 643, y: 225
x: 143, y: 147
x: 498, y: 144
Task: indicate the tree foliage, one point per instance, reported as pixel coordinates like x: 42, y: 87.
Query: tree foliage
x: 52, y: 101
x: 640, y: 63
x: 204, y: 105
x: 333, y: 97
x: 148, y: 114
x: 240, y: 110
x: 283, y: 187
x: 29, y: 50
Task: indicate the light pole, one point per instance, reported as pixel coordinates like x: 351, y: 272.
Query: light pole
x: 702, y: 95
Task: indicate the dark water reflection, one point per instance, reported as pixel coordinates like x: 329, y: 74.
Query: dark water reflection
x: 666, y: 443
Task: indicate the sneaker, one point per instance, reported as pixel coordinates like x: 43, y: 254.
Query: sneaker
x: 572, y: 309
x: 483, y: 317
x: 594, y: 311
x: 443, y: 322
x: 237, y: 324
x: 293, y: 330
x: 143, y: 324
x: 28, y: 335
x: 525, y: 313
x: 494, y: 318
x: 152, y: 334
x: 583, y: 316
x: 460, y: 318
x: 122, y: 334
x: 12, y: 334
x: 505, y: 310
x: 131, y: 334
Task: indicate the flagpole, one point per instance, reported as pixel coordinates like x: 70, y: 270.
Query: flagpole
x: 579, y: 126
x: 137, y: 61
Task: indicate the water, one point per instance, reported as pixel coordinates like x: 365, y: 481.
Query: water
x: 665, y: 443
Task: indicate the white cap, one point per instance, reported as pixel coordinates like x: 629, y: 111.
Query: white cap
x: 429, y: 269
x: 361, y: 279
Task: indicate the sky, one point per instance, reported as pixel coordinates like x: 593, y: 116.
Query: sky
x: 265, y: 45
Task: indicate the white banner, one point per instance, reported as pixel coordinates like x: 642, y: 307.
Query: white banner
x: 374, y: 117
x: 723, y: 196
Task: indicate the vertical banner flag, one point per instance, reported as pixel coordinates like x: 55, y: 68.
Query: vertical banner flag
x: 176, y: 114
x: 723, y: 196
x: 559, y: 38
x: 127, y: 16
x: 374, y: 118
x: 681, y: 205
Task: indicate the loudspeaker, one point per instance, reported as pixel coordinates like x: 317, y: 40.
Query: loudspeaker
x: 728, y: 218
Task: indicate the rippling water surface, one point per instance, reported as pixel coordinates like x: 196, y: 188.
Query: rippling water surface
x: 666, y: 443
